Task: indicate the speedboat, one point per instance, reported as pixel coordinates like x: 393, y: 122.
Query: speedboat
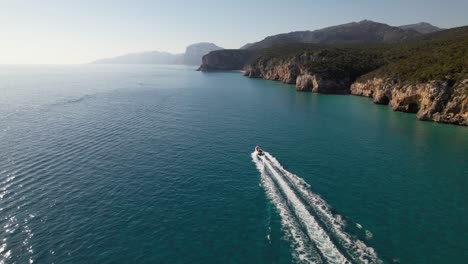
x: 259, y: 151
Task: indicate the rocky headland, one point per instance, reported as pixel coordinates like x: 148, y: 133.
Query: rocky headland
x: 427, y: 76
x: 225, y: 60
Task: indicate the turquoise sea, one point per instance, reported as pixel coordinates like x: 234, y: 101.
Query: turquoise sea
x: 154, y: 164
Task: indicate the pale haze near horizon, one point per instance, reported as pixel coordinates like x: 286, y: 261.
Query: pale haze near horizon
x: 68, y: 32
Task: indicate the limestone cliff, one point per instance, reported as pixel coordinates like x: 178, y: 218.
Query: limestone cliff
x: 439, y: 101
x: 305, y: 81
x: 225, y: 60
x: 321, y: 71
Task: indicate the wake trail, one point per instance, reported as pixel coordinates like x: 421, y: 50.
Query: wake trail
x: 304, y: 250
x: 316, y: 233
x: 314, y: 215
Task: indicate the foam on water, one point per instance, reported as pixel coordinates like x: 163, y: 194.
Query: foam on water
x: 303, y: 249
x: 301, y: 199
x: 356, y: 248
x: 287, y: 203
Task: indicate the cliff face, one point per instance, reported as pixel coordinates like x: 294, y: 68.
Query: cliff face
x: 322, y: 71
x: 285, y: 71
x: 317, y: 84
x: 225, y: 60
x: 436, y: 101
x: 292, y: 72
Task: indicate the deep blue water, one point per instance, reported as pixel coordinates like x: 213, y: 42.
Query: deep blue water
x: 152, y: 164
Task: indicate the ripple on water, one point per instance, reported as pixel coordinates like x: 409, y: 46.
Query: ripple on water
x: 116, y: 171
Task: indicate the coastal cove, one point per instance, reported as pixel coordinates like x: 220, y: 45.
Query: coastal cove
x: 152, y: 163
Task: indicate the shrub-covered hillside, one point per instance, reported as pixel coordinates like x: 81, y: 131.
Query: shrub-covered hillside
x: 445, y: 56
x: 437, y: 56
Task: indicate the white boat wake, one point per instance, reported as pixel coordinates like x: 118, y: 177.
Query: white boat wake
x: 317, y: 235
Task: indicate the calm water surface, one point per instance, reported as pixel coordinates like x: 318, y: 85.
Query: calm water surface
x: 152, y: 164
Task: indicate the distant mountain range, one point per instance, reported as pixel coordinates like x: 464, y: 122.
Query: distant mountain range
x: 192, y: 56
x: 422, y: 27
x: 363, y: 31
x: 147, y: 57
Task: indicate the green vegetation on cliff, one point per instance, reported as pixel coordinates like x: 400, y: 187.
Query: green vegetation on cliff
x: 438, y: 56
x: 427, y: 74
x: 363, y: 31
x: 335, y: 61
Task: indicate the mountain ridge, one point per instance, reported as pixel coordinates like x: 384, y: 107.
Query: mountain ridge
x: 362, y: 31
x: 194, y: 52
x: 144, y: 57
x: 192, y: 56
x: 422, y: 27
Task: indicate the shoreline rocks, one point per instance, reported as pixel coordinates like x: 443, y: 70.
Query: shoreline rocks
x: 316, y: 84
x: 296, y: 71
x: 440, y: 102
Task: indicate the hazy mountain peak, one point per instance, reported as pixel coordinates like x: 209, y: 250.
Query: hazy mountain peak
x: 203, y: 44
x: 146, y: 57
x: 194, y: 53
x: 421, y: 27
x: 364, y: 21
x: 192, y: 56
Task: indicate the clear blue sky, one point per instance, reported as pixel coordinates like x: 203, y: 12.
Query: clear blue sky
x: 66, y: 31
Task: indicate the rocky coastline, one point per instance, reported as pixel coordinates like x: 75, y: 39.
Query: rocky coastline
x: 294, y: 71
x: 427, y: 76
x: 438, y: 101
